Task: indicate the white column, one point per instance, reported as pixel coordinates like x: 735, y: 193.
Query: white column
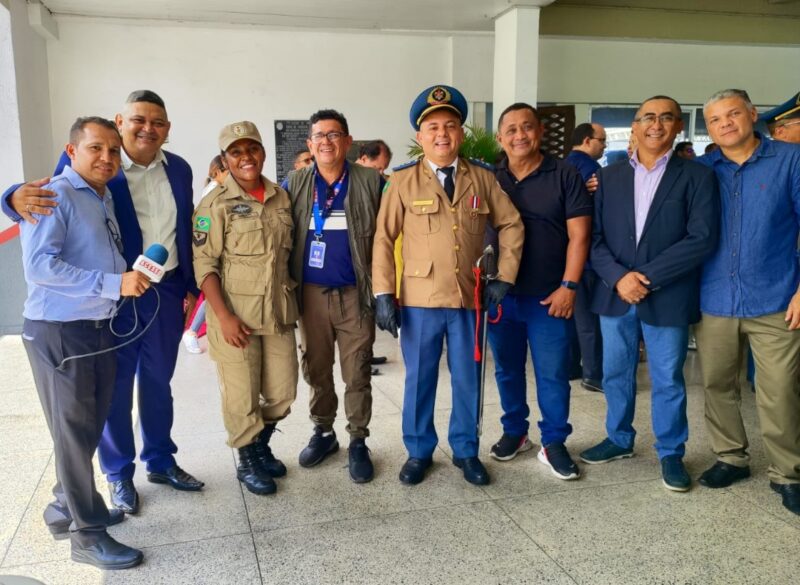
x: 516, y: 57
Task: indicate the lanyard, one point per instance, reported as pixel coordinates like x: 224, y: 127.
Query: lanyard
x: 320, y: 215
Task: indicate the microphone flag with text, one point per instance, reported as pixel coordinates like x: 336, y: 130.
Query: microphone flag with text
x: 151, y: 263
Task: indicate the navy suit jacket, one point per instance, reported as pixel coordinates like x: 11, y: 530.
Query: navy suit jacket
x: 179, y: 174
x: 680, y: 232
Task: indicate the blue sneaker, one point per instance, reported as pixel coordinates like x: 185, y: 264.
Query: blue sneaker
x: 556, y: 457
x: 604, y: 452
x: 321, y: 445
x: 674, y: 474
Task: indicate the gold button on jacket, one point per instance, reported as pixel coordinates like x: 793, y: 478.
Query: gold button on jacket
x: 439, y: 237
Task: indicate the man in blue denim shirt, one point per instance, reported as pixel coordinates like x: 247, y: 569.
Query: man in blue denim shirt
x: 749, y: 292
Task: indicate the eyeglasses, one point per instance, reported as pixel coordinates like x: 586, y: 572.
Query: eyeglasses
x: 114, y: 231
x: 331, y: 136
x: 650, y: 119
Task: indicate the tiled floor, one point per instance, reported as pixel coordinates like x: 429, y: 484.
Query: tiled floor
x: 616, y: 525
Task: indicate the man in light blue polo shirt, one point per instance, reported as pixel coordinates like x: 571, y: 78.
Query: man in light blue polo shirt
x: 74, y: 274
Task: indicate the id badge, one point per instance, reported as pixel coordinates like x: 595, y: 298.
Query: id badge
x: 316, y: 255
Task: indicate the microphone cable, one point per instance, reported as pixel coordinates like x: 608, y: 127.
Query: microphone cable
x: 63, y: 363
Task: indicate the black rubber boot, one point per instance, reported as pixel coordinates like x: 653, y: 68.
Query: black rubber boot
x: 273, y: 466
x: 250, y: 472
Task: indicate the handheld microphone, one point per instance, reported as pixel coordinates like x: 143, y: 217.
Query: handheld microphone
x: 151, y: 263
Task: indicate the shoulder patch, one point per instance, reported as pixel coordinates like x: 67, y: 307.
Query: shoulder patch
x: 483, y: 164
x: 202, y: 223
x: 407, y: 165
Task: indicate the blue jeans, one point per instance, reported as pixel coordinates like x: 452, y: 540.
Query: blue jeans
x: 421, y: 340
x: 525, y: 323
x: 666, y: 353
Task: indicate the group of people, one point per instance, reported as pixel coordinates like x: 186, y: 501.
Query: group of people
x: 340, y: 249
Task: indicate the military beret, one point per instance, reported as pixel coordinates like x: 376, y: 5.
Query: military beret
x: 436, y: 98
x: 789, y: 109
x: 238, y: 131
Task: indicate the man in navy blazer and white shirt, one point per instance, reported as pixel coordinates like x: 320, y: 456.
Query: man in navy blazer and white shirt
x: 152, y: 196
x: 656, y: 220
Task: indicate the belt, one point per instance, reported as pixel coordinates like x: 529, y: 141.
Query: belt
x: 86, y: 323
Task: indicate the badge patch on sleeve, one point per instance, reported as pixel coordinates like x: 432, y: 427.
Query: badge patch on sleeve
x: 199, y: 238
x: 202, y: 223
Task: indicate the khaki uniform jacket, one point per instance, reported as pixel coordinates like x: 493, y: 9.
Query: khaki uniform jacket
x: 442, y: 241
x: 247, y: 244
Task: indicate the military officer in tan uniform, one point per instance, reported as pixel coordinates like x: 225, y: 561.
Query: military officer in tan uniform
x: 442, y: 204
x: 242, y: 238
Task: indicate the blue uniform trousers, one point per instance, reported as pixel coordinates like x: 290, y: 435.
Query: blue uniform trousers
x: 666, y: 353
x: 423, y: 333
x: 525, y: 323
x: 151, y: 359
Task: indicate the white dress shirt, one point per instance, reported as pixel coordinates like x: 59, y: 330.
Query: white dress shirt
x: 154, y: 204
x: 440, y: 175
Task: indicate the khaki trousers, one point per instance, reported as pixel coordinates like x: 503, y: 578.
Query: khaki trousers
x: 776, y: 352
x: 258, y: 383
x: 331, y: 317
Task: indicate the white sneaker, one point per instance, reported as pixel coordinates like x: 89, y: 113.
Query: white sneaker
x: 190, y: 342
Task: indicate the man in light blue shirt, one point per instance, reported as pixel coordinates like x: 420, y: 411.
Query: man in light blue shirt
x: 74, y: 273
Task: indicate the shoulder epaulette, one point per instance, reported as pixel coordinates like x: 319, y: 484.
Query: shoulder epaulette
x: 480, y: 163
x: 407, y: 165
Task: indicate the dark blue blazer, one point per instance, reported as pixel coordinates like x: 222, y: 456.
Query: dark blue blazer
x: 179, y: 174
x: 680, y: 232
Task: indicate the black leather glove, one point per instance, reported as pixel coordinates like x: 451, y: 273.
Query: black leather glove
x: 387, y: 315
x: 494, y: 292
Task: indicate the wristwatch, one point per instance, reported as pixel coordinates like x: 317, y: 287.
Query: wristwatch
x: 570, y: 284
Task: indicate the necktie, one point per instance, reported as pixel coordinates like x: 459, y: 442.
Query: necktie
x: 449, y: 183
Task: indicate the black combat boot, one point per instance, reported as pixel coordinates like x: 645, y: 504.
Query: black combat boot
x: 274, y: 467
x: 250, y: 472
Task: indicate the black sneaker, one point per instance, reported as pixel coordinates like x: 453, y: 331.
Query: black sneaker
x: 556, y: 457
x: 319, y: 447
x: 359, y: 464
x: 509, y: 446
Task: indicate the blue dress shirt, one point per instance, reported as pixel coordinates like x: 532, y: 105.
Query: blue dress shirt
x: 72, y: 260
x: 755, y: 270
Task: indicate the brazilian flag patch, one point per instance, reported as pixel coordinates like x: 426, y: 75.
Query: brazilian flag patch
x: 202, y: 223
x: 386, y: 186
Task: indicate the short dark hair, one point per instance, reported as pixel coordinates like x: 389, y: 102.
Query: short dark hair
x: 78, y: 125
x: 662, y: 97
x: 515, y: 107
x: 328, y: 115
x: 682, y: 146
x: 300, y: 151
x: 147, y: 96
x: 581, y: 133
x: 373, y: 149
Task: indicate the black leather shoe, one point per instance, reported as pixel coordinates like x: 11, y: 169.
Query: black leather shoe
x: 177, y: 478
x: 319, y: 447
x: 790, y: 492
x: 124, y: 496
x: 60, y: 530
x: 413, y: 471
x: 269, y: 462
x: 250, y: 472
x: 722, y: 475
x: 592, y: 385
x: 377, y: 360
x: 474, y: 471
x: 359, y: 464
x: 106, y: 553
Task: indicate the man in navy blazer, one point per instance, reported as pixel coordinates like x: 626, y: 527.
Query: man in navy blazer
x: 656, y: 220
x: 152, y: 195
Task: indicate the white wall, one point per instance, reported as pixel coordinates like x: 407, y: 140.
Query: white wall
x: 209, y: 77
x: 608, y: 71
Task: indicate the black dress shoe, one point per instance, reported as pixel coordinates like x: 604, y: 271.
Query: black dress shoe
x: 319, y: 447
x: 474, y: 471
x: 722, y: 475
x: 592, y: 385
x: 790, y: 492
x: 377, y: 360
x: 413, y: 471
x: 177, y: 478
x: 106, y: 553
x: 60, y: 530
x: 124, y: 496
x: 359, y: 464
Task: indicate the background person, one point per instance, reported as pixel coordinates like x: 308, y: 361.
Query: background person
x: 242, y: 235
